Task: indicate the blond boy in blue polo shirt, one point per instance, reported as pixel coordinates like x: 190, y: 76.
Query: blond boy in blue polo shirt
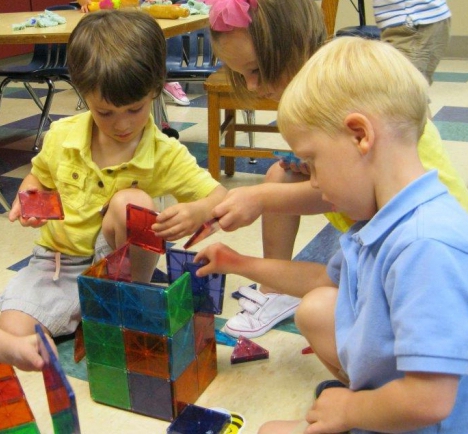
x: 387, y: 316
x: 99, y: 162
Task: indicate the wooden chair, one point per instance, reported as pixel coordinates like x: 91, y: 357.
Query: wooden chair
x: 221, y: 97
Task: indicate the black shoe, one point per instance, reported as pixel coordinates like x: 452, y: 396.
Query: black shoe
x: 326, y: 385
x: 171, y: 132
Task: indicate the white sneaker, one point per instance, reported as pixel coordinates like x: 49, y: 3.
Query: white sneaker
x: 260, y: 313
x: 176, y: 93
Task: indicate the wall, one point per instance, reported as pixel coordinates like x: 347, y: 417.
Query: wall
x: 458, y: 46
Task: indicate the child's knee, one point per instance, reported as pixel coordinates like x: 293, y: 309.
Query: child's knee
x: 133, y: 196
x: 316, y: 309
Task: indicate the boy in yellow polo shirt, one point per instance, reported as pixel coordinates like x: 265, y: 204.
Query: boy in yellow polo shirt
x: 102, y: 160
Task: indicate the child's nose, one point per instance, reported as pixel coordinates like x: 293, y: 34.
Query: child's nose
x: 121, y: 124
x: 252, y: 83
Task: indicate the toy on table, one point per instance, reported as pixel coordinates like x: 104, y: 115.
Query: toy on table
x: 60, y: 395
x: 41, y: 204
x: 205, y: 230
x: 247, y: 351
x: 104, y: 4
x: 166, y: 11
x: 287, y: 157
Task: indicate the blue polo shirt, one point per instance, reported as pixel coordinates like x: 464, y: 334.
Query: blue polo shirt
x: 403, y: 294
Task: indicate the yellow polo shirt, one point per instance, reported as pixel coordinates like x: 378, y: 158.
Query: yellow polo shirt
x: 160, y: 166
x: 433, y: 155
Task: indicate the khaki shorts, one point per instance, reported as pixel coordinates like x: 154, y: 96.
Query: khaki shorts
x: 423, y: 45
x: 53, y: 303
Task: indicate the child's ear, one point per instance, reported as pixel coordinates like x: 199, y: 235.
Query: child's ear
x: 361, y: 130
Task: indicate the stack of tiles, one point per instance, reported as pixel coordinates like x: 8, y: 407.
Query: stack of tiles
x: 15, y: 414
x: 147, y: 350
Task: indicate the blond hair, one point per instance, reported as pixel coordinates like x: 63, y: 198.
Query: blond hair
x: 119, y: 53
x: 284, y: 34
x: 352, y: 74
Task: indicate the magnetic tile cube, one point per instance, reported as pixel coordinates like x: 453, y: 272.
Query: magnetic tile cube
x: 147, y: 350
x: 204, y: 329
x: 208, y: 291
x: 207, y: 366
x: 156, y: 309
x: 104, y: 343
x: 99, y: 300
x: 151, y: 396
x: 161, y: 356
x: 150, y: 308
x: 109, y: 385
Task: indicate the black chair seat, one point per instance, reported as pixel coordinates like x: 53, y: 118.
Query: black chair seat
x: 369, y: 32
x: 47, y: 65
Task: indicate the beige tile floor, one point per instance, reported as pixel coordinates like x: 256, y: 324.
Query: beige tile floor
x: 280, y: 387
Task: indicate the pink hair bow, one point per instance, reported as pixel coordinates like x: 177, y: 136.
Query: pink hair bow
x: 225, y: 15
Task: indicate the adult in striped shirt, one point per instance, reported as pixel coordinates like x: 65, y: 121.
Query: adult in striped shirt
x: 420, y: 29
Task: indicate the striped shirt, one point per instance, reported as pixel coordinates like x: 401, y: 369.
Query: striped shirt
x: 392, y: 13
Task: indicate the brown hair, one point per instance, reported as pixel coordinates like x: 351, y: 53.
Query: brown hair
x: 120, y: 54
x: 285, y: 34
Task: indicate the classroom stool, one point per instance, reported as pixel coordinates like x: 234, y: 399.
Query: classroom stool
x: 221, y: 97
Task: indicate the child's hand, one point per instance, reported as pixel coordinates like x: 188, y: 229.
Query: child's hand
x: 328, y: 413
x: 302, y: 167
x: 218, y: 258
x: 178, y: 221
x: 23, y: 352
x: 241, y: 207
x: 15, y: 214
x: 84, y: 5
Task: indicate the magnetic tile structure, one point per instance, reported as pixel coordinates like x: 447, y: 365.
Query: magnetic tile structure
x: 60, y: 395
x: 15, y: 414
x: 148, y: 349
x: 208, y: 291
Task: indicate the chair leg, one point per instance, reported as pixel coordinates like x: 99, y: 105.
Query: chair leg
x: 45, y: 113
x: 36, y: 99
x: 159, y: 111
x: 81, y: 104
x: 249, y: 118
x: 4, y: 202
x: 3, y: 85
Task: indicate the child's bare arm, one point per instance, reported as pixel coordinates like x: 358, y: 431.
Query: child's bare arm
x: 286, y: 277
x: 406, y: 404
x: 185, y: 218
x: 244, y: 205
x: 21, y: 351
